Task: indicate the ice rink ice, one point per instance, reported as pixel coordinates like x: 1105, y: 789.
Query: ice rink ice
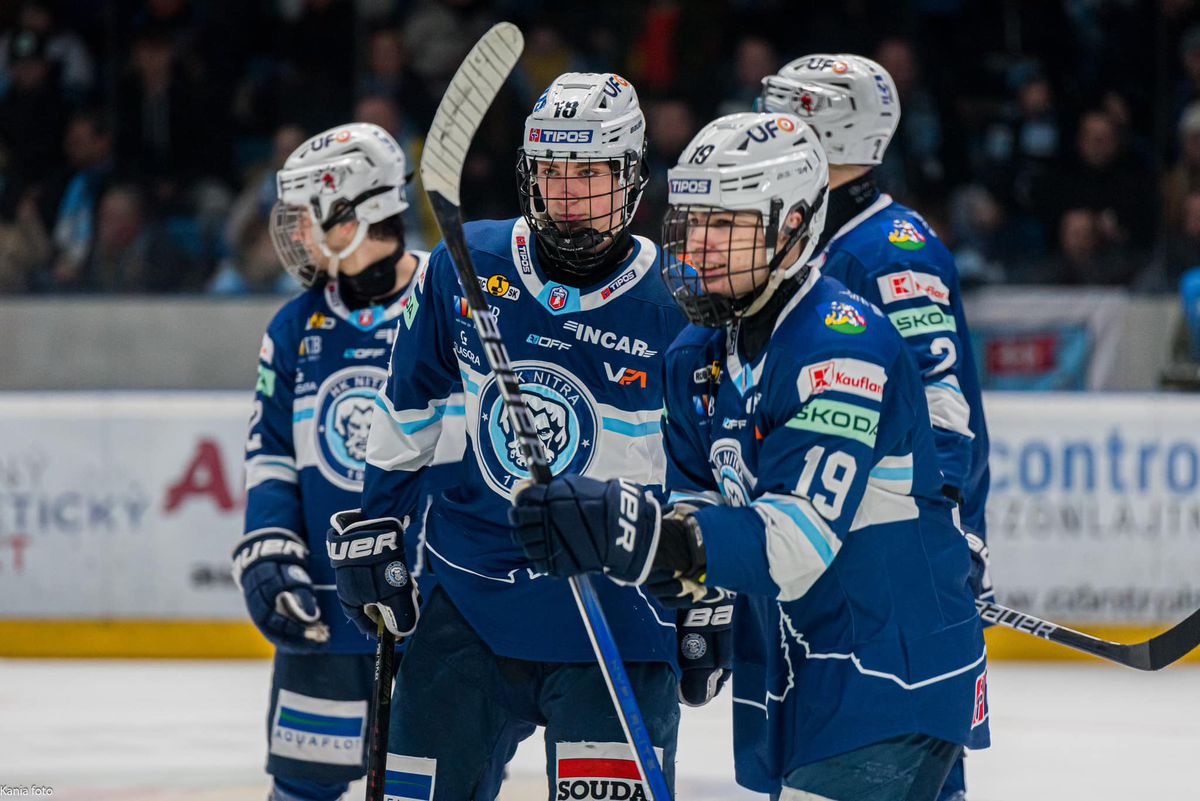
x: 193, y: 731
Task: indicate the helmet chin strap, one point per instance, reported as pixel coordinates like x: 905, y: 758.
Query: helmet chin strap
x: 775, y: 276
x: 336, y: 257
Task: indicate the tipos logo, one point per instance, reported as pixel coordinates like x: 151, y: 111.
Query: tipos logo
x: 344, y: 407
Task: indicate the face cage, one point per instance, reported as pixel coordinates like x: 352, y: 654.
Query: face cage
x: 582, y: 243
x: 287, y: 224
x: 731, y: 250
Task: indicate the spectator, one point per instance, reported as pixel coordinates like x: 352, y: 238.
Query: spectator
x: 1184, y: 175
x: 65, y: 50
x: 388, y: 74
x: 1023, y: 144
x: 755, y: 58
x: 913, y: 168
x: 438, y: 35
x: 420, y: 227
x: 254, y: 203
x: 1103, y: 178
x: 1179, y: 251
x: 546, y: 57
x: 1086, y: 253
x: 670, y: 125
x: 254, y: 269
x: 24, y: 248
x: 32, y: 117
x: 165, y: 120
x: 132, y: 254
x: 89, y: 149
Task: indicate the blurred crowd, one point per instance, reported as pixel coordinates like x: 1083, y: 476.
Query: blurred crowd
x: 1048, y: 141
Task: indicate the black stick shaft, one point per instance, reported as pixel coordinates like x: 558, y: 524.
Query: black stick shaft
x: 381, y: 714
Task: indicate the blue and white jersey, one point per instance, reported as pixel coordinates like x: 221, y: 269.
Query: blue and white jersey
x: 889, y: 255
x: 589, y: 362
x: 320, y: 367
x: 822, y: 507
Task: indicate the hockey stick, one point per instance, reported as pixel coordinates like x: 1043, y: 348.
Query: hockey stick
x: 381, y: 713
x: 1153, y: 654
x: 470, y: 93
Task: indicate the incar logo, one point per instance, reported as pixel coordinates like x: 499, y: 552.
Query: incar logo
x: 690, y: 186
x: 560, y: 136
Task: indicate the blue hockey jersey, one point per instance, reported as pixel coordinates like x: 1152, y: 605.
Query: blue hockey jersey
x: 320, y: 367
x: 590, y: 364
x: 889, y: 255
x: 822, y: 507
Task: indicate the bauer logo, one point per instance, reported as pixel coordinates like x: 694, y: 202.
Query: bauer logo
x: 598, y: 772
x: 317, y: 729
x: 690, y: 186
x: 560, y: 136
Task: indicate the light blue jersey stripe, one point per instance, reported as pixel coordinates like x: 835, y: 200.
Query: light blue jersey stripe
x: 633, y: 430
x: 805, y: 525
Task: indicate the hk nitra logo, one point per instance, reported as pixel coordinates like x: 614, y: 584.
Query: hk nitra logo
x: 729, y: 468
x: 345, y: 404
x: 564, y: 417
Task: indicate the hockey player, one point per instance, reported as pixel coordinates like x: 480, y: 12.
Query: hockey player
x: 803, y: 476
x: 889, y: 255
x: 337, y: 228
x: 585, y: 318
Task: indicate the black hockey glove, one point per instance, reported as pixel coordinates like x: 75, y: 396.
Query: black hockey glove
x: 373, y: 582
x: 270, y: 568
x: 705, y: 636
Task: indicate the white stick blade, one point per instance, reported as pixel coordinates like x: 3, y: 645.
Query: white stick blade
x: 467, y: 98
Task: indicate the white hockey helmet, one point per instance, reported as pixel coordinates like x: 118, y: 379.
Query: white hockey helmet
x: 849, y: 100
x: 769, y: 165
x: 351, y: 172
x: 584, y: 117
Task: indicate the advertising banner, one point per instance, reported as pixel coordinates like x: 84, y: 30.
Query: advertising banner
x: 120, y: 505
x: 1094, y: 514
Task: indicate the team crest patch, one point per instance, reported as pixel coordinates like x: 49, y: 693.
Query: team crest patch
x: 598, y: 772
x: 318, y: 729
x: 407, y: 778
x: 729, y: 469
x: 344, y: 407
x: 564, y: 416
x: 905, y: 236
x: 844, y: 318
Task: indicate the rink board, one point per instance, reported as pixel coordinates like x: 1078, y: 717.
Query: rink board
x: 118, y: 513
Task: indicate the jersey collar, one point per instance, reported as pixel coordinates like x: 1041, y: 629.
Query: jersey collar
x: 882, y: 202
x: 371, y: 317
x: 559, y: 298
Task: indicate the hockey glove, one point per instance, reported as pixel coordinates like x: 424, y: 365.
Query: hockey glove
x: 980, y: 577
x: 373, y: 583
x: 269, y: 567
x: 577, y: 525
x: 705, y: 635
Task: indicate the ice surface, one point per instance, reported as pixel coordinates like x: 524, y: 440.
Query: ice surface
x: 193, y: 731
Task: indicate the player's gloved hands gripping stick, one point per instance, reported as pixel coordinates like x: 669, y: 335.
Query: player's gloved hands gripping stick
x: 373, y: 583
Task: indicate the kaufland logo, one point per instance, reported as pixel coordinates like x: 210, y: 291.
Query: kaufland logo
x: 852, y: 376
x: 690, y: 186
x: 908, y: 284
x: 559, y: 136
